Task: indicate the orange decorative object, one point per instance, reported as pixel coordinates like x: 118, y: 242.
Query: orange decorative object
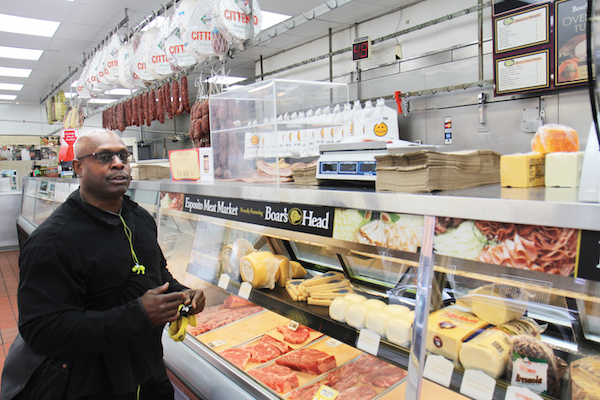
x: 568, y: 70
x: 552, y: 138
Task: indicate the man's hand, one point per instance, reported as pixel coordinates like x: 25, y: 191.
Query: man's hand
x: 195, y: 299
x: 163, y: 307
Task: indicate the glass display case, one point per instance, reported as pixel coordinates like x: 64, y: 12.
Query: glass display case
x: 260, y: 131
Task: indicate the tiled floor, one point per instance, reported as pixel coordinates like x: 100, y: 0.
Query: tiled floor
x: 9, y: 281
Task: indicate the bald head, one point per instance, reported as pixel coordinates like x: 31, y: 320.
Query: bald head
x: 87, y: 144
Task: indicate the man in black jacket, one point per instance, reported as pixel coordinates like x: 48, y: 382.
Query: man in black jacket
x: 94, y: 293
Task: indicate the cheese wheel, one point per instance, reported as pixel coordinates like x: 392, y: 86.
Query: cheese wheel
x: 298, y: 270
x: 374, y: 304
x: 253, y: 269
x: 377, y: 321
x: 398, y: 331
x: 356, y: 315
x: 355, y: 298
x: 284, y: 268
x: 396, y: 309
x: 338, y: 307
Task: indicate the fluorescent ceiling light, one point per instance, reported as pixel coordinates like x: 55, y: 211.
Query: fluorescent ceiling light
x: 224, y: 80
x: 155, y: 22
x: 69, y: 95
x: 21, y: 54
x: 27, y: 26
x: 11, y: 86
x: 10, y: 97
x: 119, y: 92
x: 270, y: 19
x: 16, y: 72
x: 101, y: 101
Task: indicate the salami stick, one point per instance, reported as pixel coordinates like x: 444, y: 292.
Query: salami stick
x: 153, y: 106
x: 168, y: 101
x: 176, y: 102
x: 161, y: 105
x: 185, y: 96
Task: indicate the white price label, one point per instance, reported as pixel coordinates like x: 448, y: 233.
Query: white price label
x: 216, y: 343
x: 438, y: 369
x: 245, y: 289
x: 368, y: 341
x: 293, y: 325
x: 520, y: 393
x: 224, y: 281
x: 477, y: 384
x: 333, y: 343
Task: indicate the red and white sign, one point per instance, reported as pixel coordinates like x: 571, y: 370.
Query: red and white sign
x: 67, y: 144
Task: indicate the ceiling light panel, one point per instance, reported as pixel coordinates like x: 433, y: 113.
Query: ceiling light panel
x: 20, y: 54
x: 15, y: 72
x: 9, y: 97
x: 27, y: 26
x: 11, y: 86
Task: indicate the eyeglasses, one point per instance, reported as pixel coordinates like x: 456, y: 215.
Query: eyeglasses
x: 107, y: 156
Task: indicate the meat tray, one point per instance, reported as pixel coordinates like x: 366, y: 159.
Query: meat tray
x: 349, y: 378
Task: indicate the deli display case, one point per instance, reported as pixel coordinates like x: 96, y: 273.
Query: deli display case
x: 484, y: 293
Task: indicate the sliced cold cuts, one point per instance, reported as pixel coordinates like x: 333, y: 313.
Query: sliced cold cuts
x: 238, y: 357
x: 277, y: 377
x: 362, y: 392
x: 384, y: 377
x: 311, y: 361
x: 296, y: 337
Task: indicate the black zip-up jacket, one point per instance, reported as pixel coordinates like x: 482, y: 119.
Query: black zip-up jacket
x: 79, y: 300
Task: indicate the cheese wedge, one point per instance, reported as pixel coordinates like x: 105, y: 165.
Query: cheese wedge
x: 298, y: 270
x: 494, y: 309
x: 282, y: 263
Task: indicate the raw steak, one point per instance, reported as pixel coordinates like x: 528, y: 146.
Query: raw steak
x: 346, y: 382
x: 368, y: 363
x: 341, y: 373
x: 283, y: 348
x: 238, y: 357
x: 262, y: 352
x: 362, y: 392
x: 236, y: 302
x: 216, y: 316
x: 384, y: 377
x: 296, y: 337
x: 277, y: 377
x: 311, y: 361
x: 306, y: 393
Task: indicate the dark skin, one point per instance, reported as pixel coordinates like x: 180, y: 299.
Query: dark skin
x: 103, y: 186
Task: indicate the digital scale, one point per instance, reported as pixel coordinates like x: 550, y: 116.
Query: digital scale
x: 356, y: 160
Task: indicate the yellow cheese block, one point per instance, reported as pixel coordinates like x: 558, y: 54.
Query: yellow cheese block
x: 332, y: 285
x: 298, y: 270
x: 323, y: 279
x: 254, y: 269
x: 522, y: 170
x: 493, y: 308
x: 563, y: 169
x: 447, y: 328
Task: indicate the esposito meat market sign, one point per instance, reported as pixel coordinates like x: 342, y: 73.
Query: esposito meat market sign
x: 316, y: 220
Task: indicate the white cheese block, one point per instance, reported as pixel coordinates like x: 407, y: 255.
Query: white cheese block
x: 409, y: 317
x: 493, y: 309
x: 356, y: 315
x: 337, y: 309
x: 563, y: 168
x: 398, y: 330
x: 375, y: 304
x: 355, y: 298
x: 377, y: 321
x: 396, y: 309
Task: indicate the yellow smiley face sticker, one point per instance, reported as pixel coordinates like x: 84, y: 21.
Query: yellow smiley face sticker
x: 380, y: 129
x: 254, y: 140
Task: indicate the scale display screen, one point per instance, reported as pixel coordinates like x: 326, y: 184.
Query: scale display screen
x: 368, y: 166
x: 348, y: 167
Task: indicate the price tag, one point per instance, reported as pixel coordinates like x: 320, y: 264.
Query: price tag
x: 224, y: 281
x: 333, y: 343
x: 216, y: 343
x: 520, y: 393
x: 438, y: 369
x: 293, y: 325
x: 326, y: 393
x: 245, y: 289
x: 477, y: 384
x: 185, y: 165
x: 368, y: 341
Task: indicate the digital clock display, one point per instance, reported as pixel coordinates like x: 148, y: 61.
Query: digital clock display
x: 361, y: 48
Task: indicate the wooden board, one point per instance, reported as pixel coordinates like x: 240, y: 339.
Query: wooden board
x: 429, y: 390
x: 242, y: 330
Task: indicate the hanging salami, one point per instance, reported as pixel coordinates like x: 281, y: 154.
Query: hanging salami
x: 185, y: 96
x: 168, y: 100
